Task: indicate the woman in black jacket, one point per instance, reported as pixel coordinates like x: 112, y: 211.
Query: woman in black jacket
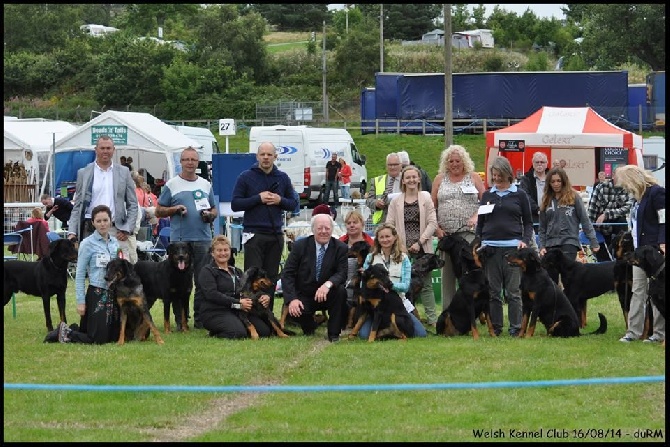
x: 221, y: 283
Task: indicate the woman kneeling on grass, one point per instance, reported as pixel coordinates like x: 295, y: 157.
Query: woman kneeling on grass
x: 221, y: 284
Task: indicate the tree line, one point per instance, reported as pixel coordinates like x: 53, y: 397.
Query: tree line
x: 226, y: 67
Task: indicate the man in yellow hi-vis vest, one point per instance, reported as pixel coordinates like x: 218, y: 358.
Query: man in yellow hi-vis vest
x: 382, y: 186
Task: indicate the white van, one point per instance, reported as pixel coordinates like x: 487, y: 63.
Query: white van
x: 302, y: 152
x: 653, y: 154
x: 203, y: 136
x: 98, y: 30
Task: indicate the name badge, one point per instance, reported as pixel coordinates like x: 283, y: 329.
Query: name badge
x: 485, y: 209
x: 101, y: 260
x: 201, y: 200
x: 468, y: 189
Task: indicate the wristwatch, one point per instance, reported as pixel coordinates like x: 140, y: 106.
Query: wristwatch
x: 328, y: 284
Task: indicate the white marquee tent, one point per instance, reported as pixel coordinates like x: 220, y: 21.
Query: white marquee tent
x: 153, y: 145
x: 29, y: 141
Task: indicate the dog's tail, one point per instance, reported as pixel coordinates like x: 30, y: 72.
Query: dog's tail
x: 603, y: 325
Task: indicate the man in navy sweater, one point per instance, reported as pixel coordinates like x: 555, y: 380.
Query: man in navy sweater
x: 263, y: 192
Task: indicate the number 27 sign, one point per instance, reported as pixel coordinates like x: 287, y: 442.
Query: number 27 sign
x: 227, y: 126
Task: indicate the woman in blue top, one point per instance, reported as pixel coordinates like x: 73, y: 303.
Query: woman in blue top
x: 99, y: 313
x: 647, y: 224
x: 503, y: 225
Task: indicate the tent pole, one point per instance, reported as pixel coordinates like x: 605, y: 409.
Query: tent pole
x: 53, y: 169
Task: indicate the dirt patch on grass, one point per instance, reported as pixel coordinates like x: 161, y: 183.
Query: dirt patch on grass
x: 220, y: 408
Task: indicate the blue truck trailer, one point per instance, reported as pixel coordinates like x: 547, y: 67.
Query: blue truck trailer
x: 639, y: 112
x: 499, y: 95
x: 656, y: 97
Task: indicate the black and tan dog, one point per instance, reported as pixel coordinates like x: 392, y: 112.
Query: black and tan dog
x: 390, y: 319
x: 356, y: 257
x: 470, y: 300
x: 43, y: 278
x: 170, y: 280
x: 255, y: 283
x: 580, y: 281
x: 422, y: 266
x: 125, y: 287
x: 546, y: 300
x: 460, y: 251
x: 650, y: 259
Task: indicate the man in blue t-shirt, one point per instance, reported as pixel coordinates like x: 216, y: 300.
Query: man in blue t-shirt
x: 188, y: 200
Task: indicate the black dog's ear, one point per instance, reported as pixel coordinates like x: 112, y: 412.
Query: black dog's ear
x: 54, y: 246
x: 249, y: 275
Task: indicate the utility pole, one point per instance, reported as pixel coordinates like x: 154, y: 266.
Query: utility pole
x: 346, y: 16
x: 448, y: 90
x: 381, y: 38
x: 323, y: 59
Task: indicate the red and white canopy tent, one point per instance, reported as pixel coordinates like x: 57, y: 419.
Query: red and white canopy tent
x: 586, y: 141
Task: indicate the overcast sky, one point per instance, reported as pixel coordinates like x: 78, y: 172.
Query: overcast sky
x: 542, y: 10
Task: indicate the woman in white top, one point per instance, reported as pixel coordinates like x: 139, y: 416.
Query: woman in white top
x: 457, y: 189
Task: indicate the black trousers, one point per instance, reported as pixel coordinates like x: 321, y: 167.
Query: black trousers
x: 335, y: 304
x: 264, y: 251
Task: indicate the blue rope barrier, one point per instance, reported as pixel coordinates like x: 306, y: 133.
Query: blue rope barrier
x: 330, y: 388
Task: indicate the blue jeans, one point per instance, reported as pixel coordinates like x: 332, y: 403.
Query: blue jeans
x: 331, y: 185
x: 419, y: 330
x: 346, y: 191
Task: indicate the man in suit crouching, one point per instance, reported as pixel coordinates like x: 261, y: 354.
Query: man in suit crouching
x: 308, y: 288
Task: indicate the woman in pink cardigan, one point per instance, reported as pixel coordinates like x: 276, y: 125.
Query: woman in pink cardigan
x: 413, y: 215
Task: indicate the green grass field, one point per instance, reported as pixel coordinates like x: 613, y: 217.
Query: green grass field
x: 460, y: 386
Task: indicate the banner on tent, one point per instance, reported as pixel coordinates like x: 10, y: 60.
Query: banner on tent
x: 512, y: 145
x: 119, y: 134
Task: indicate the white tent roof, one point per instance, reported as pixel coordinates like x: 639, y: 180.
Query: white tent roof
x: 35, y: 135
x: 151, y: 143
x: 145, y: 132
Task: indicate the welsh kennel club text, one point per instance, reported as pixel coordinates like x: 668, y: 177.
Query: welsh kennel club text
x: 579, y: 433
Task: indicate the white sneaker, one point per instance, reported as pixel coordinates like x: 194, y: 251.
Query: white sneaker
x: 652, y: 339
x: 626, y: 339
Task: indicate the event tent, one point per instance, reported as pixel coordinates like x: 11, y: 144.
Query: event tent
x: 152, y: 144
x: 586, y: 141
x: 29, y: 141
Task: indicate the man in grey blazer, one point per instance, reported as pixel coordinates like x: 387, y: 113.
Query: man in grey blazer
x: 95, y: 188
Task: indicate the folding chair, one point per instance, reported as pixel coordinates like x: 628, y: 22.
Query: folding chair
x: 11, y: 239
x: 22, y: 228
x: 159, y: 249
x: 52, y: 236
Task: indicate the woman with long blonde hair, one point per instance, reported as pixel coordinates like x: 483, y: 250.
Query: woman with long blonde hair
x: 647, y: 223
